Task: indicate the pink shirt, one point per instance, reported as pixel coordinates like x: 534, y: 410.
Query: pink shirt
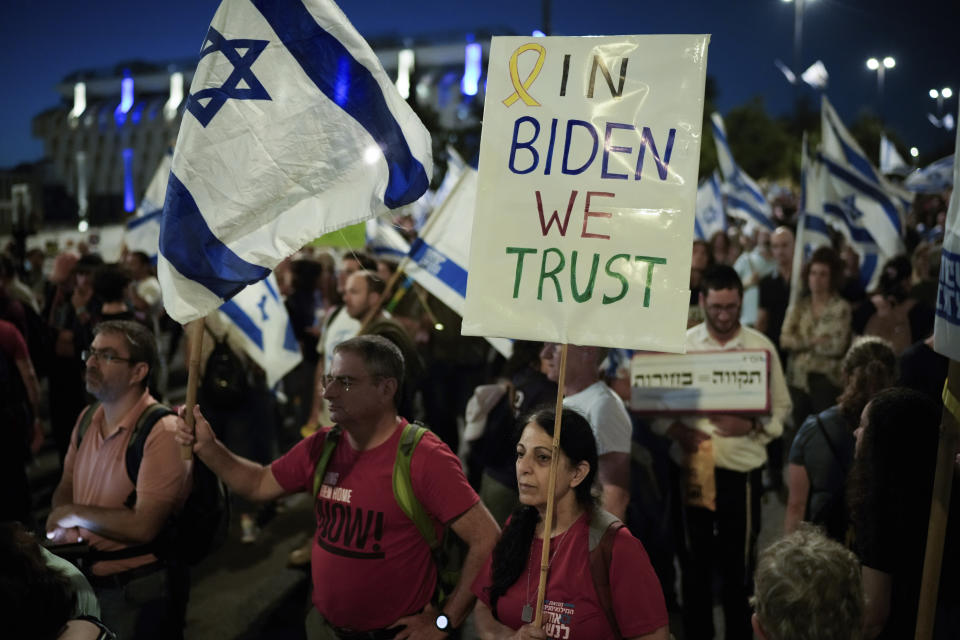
x: 99, y: 474
x: 370, y: 564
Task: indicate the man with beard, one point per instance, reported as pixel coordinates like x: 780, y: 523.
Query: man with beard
x: 96, y: 501
x: 734, y: 445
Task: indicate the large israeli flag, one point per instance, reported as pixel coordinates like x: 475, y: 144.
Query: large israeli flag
x: 292, y: 129
x: 710, y: 217
x: 744, y: 197
x: 946, y: 329
x: 858, y: 201
x: 142, y: 233
x: 259, y: 313
x: 934, y: 178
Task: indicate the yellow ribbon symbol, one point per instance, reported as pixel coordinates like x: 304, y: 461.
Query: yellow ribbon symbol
x: 520, y: 92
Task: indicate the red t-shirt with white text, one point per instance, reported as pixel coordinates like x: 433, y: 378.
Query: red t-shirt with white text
x: 370, y: 564
x: 571, y: 607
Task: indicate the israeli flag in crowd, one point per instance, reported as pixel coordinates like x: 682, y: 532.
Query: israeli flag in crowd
x: 946, y: 329
x: 384, y: 241
x: 439, y: 257
x: 891, y: 162
x: 857, y: 200
x: 292, y: 129
x: 709, y: 218
x: 934, y: 178
x: 812, y: 228
x: 744, y: 198
x: 258, y: 311
x: 142, y: 233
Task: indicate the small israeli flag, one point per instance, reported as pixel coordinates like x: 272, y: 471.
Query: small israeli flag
x: 292, y: 129
x: 744, y: 197
x: 934, y: 178
x: 259, y: 313
x: 710, y: 217
x: 142, y: 233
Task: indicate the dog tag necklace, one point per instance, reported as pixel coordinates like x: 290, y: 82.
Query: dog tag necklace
x: 526, y: 615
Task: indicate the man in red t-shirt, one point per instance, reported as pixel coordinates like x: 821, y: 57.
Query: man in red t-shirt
x: 372, y: 570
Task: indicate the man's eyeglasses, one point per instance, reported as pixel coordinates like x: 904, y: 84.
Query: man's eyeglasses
x: 102, y: 356
x: 344, y: 381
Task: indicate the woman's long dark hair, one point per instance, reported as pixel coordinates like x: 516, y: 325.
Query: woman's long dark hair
x: 510, y: 555
x: 869, y: 367
x: 892, y: 476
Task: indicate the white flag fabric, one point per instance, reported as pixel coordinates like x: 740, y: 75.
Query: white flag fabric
x: 812, y: 229
x: 384, y: 241
x: 744, y: 197
x: 946, y: 328
x: 934, y: 178
x: 858, y: 201
x: 142, y: 233
x: 439, y: 258
x: 710, y: 217
x: 891, y: 162
x: 816, y: 76
x: 259, y: 313
x: 292, y: 129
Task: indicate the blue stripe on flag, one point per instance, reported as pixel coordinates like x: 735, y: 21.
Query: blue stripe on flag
x: 734, y: 202
x: 244, y: 322
x: 867, y: 266
x: 858, y: 234
x: 736, y: 179
x: 698, y: 230
x: 816, y: 223
x: 867, y: 189
x: 141, y: 220
x: 352, y: 87
x: 854, y: 158
x: 270, y: 289
x: 190, y: 246
x: 439, y: 266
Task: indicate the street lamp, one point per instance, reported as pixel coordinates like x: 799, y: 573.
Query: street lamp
x: 880, y: 66
x: 944, y: 94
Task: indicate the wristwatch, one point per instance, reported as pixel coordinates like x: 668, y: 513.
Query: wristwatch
x: 443, y: 623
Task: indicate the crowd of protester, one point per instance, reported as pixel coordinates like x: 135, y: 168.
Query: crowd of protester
x: 849, y: 444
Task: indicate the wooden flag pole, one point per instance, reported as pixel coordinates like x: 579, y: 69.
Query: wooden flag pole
x: 551, y: 490
x: 195, y: 338
x: 940, y: 504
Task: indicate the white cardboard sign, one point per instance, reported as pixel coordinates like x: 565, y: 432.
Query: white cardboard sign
x: 587, y: 190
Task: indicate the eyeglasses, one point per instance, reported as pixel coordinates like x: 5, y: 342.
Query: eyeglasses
x: 344, y: 381
x: 102, y: 356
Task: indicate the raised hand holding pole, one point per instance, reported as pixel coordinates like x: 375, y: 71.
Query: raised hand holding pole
x: 195, y: 339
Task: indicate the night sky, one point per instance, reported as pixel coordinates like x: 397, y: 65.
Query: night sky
x: 43, y: 42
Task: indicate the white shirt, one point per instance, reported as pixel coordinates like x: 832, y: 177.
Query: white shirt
x: 606, y: 414
x: 740, y: 453
x: 341, y: 328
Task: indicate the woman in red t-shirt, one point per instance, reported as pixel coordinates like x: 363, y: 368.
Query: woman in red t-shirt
x: 507, y: 586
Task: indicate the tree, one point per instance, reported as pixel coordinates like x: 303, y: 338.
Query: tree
x: 762, y: 146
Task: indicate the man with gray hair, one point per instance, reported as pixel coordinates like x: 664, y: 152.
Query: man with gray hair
x: 808, y: 587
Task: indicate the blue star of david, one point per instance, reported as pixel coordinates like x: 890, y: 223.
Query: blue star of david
x: 231, y: 88
x: 850, y: 208
x: 262, y: 305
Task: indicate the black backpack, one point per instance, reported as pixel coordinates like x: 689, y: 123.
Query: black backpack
x: 224, y: 383
x: 202, y: 524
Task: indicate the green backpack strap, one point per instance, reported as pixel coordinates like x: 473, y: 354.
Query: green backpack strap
x: 603, y: 531
x: 329, y: 444
x: 403, y: 484
x: 85, y: 419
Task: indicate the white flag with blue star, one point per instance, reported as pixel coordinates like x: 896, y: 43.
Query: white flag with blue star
x: 292, y: 129
x: 858, y: 201
x: 259, y: 313
x: 744, y: 198
x: 934, y: 178
x: 709, y: 218
x: 812, y: 228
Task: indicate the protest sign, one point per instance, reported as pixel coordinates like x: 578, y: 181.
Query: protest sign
x: 587, y: 190
x: 702, y: 382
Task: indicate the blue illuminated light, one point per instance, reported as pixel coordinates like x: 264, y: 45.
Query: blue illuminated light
x: 126, y: 99
x: 472, y: 62
x: 538, y: 34
x: 128, y: 199
x: 341, y: 91
x: 137, y: 114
